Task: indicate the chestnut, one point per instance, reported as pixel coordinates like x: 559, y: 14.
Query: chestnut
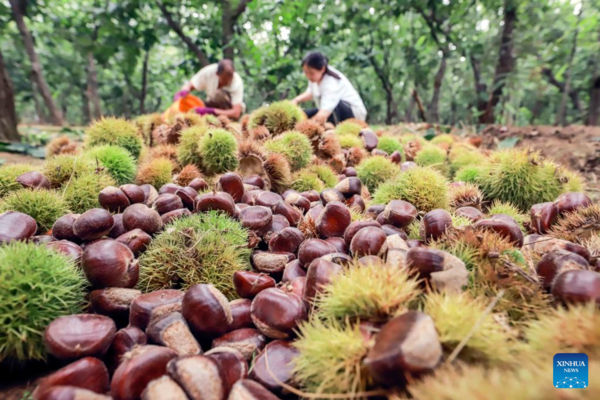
x: 206, y: 310
x: 113, y: 302
x: 434, y: 224
x: 255, y: 180
x: 392, y: 230
x: 320, y: 273
x: 267, y: 199
x: 137, y: 240
x: 279, y: 223
x: 397, y: 250
x: 118, y: 229
x: 297, y: 200
x: 339, y: 258
x: 374, y: 210
x: 108, y: 263
x: 88, y: 373
x: 199, y: 376
x: 543, y: 215
x: 169, y: 217
x: 287, y: 240
x: 93, y: 224
x: 163, y: 388
x: 134, y: 193
x: 80, y: 335
x: 443, y: 270
x: 292, y: 270
x: 171, y: 330
x: 315, y: 210
x: 369, y: 138
x: 67, y: 248
x: 124, y: 341
x: 280, y: 355
x: 571, y: 201
x: 312, y: 249
x: 247, y: 389
x: 113, y: 199
x: 68, y: 392
x: 249, y: 284
x: 231, y: 363
x: 469, y: 212
x: 311, y: 195
x: 405, y: 166
x: 349, y: 171
x: 167, y: 202
x: 142, y: 217
x: 408, y: 343
x: 368, y: 241
x: 240, y: 314
x: 339, y: 244
x: 231, y: 183
x: 356, y: 226
x: 215, y: 201
x: 349, y: 186
x: 333, y: 220
x: 140, y: 366
x: 399, y: 213
x: 277, y: 313
x: 247, y: 341
x: 150, y: 194
x: 540, y: 245
x: 395, y: 157
x: 33, y: 180
x: 168, y: 188
x: 292, y: 214
x: 44, y: 239
x: 188, y: 196
x: 250, y: 196
x: 199, y: 184
x: 504, y: 226
x: 329, y: 195
x: 577, y: 286
x: 556, y: 262
x: 271, y: 262
x: 152, y: 305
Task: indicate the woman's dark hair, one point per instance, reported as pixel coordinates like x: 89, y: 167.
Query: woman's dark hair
x: 318, y: 61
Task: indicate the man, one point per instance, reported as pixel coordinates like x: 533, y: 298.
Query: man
x: 224, y: 90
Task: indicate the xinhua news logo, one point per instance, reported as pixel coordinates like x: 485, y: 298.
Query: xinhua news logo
x: 571, y: 371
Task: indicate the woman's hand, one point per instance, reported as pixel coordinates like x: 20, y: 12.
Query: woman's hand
x: 321, y: 116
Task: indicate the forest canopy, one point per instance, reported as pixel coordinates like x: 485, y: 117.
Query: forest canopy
x: 466, y: 61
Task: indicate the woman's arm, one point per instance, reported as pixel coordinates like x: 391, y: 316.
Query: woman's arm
x: 301, y: 98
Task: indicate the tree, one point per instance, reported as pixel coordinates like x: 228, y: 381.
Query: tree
x: 37, y: 74
x: 8, y: 116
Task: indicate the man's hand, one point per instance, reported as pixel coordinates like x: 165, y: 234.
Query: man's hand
x: 204, y: 110
x: 321, y: 116
x: 180, y: 94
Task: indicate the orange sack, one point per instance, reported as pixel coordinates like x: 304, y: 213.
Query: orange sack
x: 183, y: 105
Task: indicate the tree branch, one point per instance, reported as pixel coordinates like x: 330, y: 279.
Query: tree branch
x: 239, y: 10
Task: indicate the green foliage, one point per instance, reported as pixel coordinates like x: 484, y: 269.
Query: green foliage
x: 202, y: 248
x: 465, y: 158
x: 348, y: 141
x: 389, y: 144
x: 348, y: 128
x: 374, y: 171
x: 433, y: 156
x: 521, y: 178
x: 37, y: 285
x: 423, y: 187
x: 469, y: 174
x: 277, y: 117
x: 218, y: 151
x: 64, y: 167
x: 118, y: 162
x: 156, y: 172
x: 443, y: 140
x: 9, y: 175
x: 326, y: 175
x: 187, y: 150
x: 45, y: 206
x: 294, y: 146
x: 499, y: 207
x: 81, y: 193
x: 115, y: 131
x: 305, y: 180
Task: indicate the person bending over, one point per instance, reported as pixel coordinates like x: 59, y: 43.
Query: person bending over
x: 336, y: 98
x: 224, y: 90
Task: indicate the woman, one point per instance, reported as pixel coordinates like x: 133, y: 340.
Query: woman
x: 336, y: 98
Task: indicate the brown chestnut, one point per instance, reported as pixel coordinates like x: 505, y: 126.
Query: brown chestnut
x: 231, y: 183
x: 556, y: 262
x: 215, y: 201
x: 108, y: 263
x: 577, y: 286
x: 70, y: 249
x: 199, y: 184
x: 334, y: 219
x: 277, y: 313
x: 93, y: 224
x: 134, y: 193
x: 543, y: 215
x: 140, y: 366
x: 88, y: 373
x: 150, y: 194
x: 356, y: 226
x: 247, y: 389
x: 320, y: 273
x: 247, y: 341
x: 118, y: 229
x: 443, y: 270
x: 188, y: 196
x: 113, y: 199
x: 349, y: 186
x: 171, y: 330
x: 140, y: 216
x: 61, y: 230
x: 153, y: 305
x: 395, y: 157
x: 287, y: 240
x: 168, y: 188
x: 399, y: 213
x: 374, y: 210
x: 397, y: 250
x: 312, y: 249
x: 571, y: 201
x: 271, y: 262
x: 68, y: 393
x: 206, y: 310
x: 349, y: 171
x: 167, y: 202
x: 248, y: 284
x: 339, y: 244
x: 369, y: 138
x: 240, y: 314
x: 199, y: 376
x: 255, y: 180
x: 292, y: 270
x: 169, y: 217
x: 368, y: 241
x: 469, y: 212
x: 405, y: 166
x: 163, y: 388
x: 504, y: 226
x: 113, y: 302
x: 33, y: 180
x: 231, y: 364
x: 311, y: 195
x: 297, y: 200
x: 292, y: 214
x: 267, y: 199
x: 77, y: 336
x: 124, y: 341
x: 434, y: 224
x: 329, y: 195
x: 279, y: 355
x: 137, y: 240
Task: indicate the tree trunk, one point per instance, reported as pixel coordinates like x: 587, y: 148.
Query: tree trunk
x: 506, y: 61
x: 39, y: 110
x: 409, y: 110
x: 480, y: 88
x: 8, y: 115
x: 144, y: 83
x: 434, y: 105
x: 594, y: 108
x: 560, y: 117
x: 86, y: 112
x: 419, y: 105
x: 36, y: 67
x: 92, y: 88
x: 227, y: 27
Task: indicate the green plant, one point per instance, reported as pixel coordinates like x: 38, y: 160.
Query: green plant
x: 115, y: 131
x: 37, y: 285
x: 81, y: 193
x: 118, y: 162
x: 305, y: 180
x: 9, y: 175
x: 433, y: 156
x: 389, y: 144
x: 45, y: 206
x: 201, y: 248
x: 218, y: 151
x: 330, y: 358
x: 499, y: 207
x: 469, y: 174
x: 423, y: 187
x: 348, y: 128
x: 64, y: 167
x: 444, y: 140
x: 326, y: 175
x: 277, y: 117
x: 348, y: 141
x: 294, y: 146
x: 578, y: 225
x: 374, y: 171
x: 187, y: 151
x: 460, y: 159
x: 156, y: 172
